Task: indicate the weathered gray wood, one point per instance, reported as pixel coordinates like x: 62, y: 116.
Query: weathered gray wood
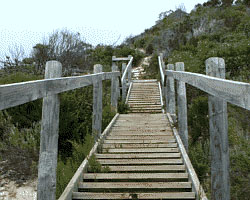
x: 114, y: 89
x: 97, y: 104
x: 139, y: 195
x: 148, y: 168
x: 234, y: 92
x: 133, y: 185
x: 170, y: 94
x: 126, y: 69
x: 182, y: 107
x: 129, y: 92
x: 218, y: 128
x: 196, y: 186
x: 19, y: 93
x: 119, y: 59
x: 73, y: 184
x: 124, y: 82
x: 162, y: 71
x: 141, y: 176
x: 129, y: 70
x: 46, y: 187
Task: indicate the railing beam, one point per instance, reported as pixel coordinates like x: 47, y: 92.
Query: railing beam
x: 218, y: 128
x: 182, y: 107
x: 46, y: 187
x: 97, y: 104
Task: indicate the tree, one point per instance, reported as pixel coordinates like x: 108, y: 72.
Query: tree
x: 64, y: 46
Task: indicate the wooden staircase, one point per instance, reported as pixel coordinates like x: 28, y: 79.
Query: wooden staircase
x: 144, y: 97
x: 140, y: 155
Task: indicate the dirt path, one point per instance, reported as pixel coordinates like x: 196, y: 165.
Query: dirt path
x: 137, y: 72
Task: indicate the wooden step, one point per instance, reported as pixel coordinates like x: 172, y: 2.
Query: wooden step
x: 158, y: 195
x: 147, y: 168
x: 142, y: 150
x: 140, y: 137
x: 134, y: 185
x: 114, y: 146
x: 137, y: 134
x: 138, y: 141
x: 132, y: 176
x: 136, y: 155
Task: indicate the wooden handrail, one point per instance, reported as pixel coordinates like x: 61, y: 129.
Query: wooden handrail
x: 235, y: 92
x: 126, y: 69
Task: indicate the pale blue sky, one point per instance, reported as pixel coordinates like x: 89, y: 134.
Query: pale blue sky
x: 27, y: 22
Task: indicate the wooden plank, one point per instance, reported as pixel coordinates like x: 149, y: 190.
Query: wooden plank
x: 218, y: 129
x: 125, y: 133
x: 182, y: 107
x: 234, y: 92
x: 114, y: 146
x: 73, y: 184
x: 138, y: 141
x: 143, y: 150
x: 19, y: 93
x: 97, y: 104
x: 136, y: 155
x: 140, y: 137
x: 134, y: 185
x: 140, y: 129
x: 114, y: 90
x: 158, y: 195
x: 170, y: 94
x: 131, y: 176
x: 147, y: 168
x: 129, y: 92
x: 120, y: 59
x: 46, y: 187
x: 127, y: 68
x: 146, y: 161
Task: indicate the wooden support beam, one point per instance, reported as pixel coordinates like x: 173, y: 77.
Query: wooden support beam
x: 124, y: 83
x: 182, y: 107
x: 162, y: 71
x: 97, y: 104
x: 129, y: 70
x: 170, y: 94
x: 114, y: 89
x: 46, y: 187
x: 218, y: 128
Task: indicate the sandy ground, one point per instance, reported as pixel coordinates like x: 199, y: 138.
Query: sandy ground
x: 9, y: 190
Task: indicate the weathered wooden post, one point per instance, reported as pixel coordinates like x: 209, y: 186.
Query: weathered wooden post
x: 218, y: 128
x: 170, y: 94
x: 182, y: 107
x: 163, y: 69
x: 97, y: 103
x: 46, y: 187
x: 129, y: 70
x: 114, y: 89
x: 124, y: 82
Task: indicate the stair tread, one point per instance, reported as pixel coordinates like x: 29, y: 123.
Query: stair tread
x: 159, y: 195
x: 146, y: 168
x: 154, y: 176
x: 134, y: 185
x: 136, y: 155
x: 149, y: 161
